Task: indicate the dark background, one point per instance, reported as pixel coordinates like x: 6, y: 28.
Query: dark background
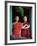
x: 27, y: 12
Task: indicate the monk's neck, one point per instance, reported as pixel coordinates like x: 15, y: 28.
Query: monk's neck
x: 16, y: 21
x: 25, y: 22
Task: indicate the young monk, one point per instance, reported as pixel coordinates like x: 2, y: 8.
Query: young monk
x: 26, y: 29
x: 16, y: 28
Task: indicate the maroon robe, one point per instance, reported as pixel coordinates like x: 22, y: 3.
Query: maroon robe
x: 26, y: 32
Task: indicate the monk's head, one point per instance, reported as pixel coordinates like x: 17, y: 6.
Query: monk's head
x: 17, y: 18
x: 25, y: 18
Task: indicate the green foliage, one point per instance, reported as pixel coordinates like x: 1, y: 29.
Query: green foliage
x: 20, y: 10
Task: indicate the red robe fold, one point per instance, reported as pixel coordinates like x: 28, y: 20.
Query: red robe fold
x: 17, y: 30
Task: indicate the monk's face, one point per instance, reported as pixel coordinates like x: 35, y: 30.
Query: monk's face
x: 17, y: 18
x: 25, y: 18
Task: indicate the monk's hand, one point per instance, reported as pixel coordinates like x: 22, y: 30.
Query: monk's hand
x: 27, y: 26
